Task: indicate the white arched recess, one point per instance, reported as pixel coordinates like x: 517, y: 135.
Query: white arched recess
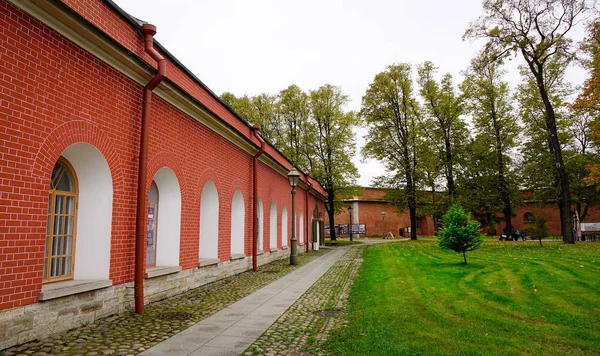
x: 273, y: 226
x: 284, y: 227
x: 261, y: 226
x: 209, y: 222
x: 237, y: 223
x: 301, y: 238
x: 169, y: 218
x: 94, y: 212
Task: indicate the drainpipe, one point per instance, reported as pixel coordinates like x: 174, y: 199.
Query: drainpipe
x: 140, y: 228
x: 255, y: 130
x: 306, y: 209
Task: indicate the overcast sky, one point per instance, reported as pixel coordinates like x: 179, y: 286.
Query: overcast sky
x: 258, y: 46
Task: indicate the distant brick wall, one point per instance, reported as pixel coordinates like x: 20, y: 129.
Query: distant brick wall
x: 371, y: 204
x: 54, y: 94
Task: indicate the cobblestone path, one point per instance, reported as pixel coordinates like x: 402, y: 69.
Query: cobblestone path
x: 303, y: 328
x: 130, y: 334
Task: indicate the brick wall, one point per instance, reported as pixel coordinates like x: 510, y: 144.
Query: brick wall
x: 54, y: 94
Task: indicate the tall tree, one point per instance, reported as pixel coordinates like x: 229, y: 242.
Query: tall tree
x: 488, y: 99
x: 333, y: 147
x: 444, y: 126
x: 536, y: 29
x: 538, y: 172
x: 294, y: 112
x: 393, y: 118
x: 261, y: 110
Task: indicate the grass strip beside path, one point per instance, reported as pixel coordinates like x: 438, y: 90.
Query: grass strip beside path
x: 512, y: 298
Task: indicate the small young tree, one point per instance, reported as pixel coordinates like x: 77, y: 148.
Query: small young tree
x: 460, y: 233
x: 536, y: 227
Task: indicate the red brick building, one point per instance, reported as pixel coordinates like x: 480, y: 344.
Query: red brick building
x: 72, y: 79
x: 369, y: 206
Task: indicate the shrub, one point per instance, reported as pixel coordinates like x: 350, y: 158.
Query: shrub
x: 460, y: 233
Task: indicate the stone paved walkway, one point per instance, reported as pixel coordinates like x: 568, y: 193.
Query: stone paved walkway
x: 303, y: 328
x: 230, y: 331
x: 131, y: 334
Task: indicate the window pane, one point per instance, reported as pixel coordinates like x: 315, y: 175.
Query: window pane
x: 59, y: 205
x: 67, y: 246
x: 70, y: 205
x: 153, y: 194
x: 56, y: 173
x: 48, y: 225
x: 46, y: 247
x: 45, y: 268
x: 66, y: 183
x: 66, y: 266
x: 54, y: 268
x: 58, y: 222
x: 56, y: 244
x: 69, y: 225
x: 49, y: 203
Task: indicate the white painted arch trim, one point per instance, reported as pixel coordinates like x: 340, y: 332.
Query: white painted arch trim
x: 169, y: 218
x: 237, y: 223
x: 260, y: 212
x: 284, y: 226
x: 273, y: 226
x: 209, y: 222
x: 94, y: 212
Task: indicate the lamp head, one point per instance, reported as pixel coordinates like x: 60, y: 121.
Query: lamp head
x: 293, y: 177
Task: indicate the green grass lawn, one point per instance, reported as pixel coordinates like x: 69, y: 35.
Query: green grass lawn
x: 512, y: 298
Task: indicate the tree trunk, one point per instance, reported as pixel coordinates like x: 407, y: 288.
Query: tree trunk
x: 331, y: 214
x: 564, y: 193
x: 449, y: 169
x: 465, y: 257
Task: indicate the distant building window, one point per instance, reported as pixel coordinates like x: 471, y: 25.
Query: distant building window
x: 527, y: 217
x: 60, y: 226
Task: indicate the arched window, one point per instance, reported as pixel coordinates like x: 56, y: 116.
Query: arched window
x: 209, y: 222
x: 273, y: 226
x: 261, y: 228
x: 60, y: 226
x: 237, y: 223
x: 284, y: 227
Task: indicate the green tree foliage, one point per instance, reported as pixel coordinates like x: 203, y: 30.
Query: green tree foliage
x: 297, y: 131
x: 333, y: 147
x: 537, y: 30
x: 393, y: 118
x: 443, y: 124
x: 313, y: 131
x: 489, y: 183
x: 460, y: 233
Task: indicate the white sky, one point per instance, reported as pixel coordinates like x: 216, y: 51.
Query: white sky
x: 258, y: 46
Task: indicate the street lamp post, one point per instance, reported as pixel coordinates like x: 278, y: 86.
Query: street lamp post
x: 382, y: 229
x: 293, y: 178
x: 350, y: 230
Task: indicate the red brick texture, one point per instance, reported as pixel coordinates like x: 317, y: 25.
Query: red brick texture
x: 54, y: 94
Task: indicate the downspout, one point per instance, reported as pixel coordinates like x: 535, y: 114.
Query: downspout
x: 140, y: 229
x: 306, y: 209
x: 255, y: 130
